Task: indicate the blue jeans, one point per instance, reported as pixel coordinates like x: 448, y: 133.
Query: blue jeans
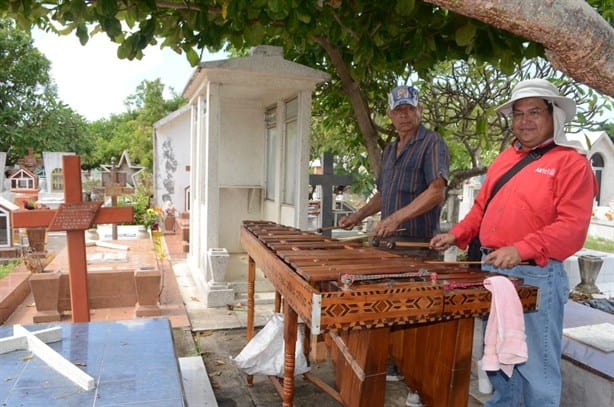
x: 537, y: 382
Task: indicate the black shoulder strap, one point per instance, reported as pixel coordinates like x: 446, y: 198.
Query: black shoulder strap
x: 531, y: 156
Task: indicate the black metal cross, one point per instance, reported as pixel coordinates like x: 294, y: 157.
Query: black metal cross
x: 328, y: 180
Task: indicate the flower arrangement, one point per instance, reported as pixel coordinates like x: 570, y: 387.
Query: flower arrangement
x: 33, y: 205
x: 169, y: 209
x: 152, y: 218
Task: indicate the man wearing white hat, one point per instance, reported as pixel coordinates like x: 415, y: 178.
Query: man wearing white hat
x: 528, y: 227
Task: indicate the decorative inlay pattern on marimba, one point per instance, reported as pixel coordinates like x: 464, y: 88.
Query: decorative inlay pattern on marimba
x: 313, y: 266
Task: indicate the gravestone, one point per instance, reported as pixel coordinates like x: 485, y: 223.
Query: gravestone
x: 114, y: 185
x: 133, y: 172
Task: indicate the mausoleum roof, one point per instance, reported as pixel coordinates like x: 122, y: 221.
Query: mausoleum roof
x: 265, y: 67
x: 585, y: 137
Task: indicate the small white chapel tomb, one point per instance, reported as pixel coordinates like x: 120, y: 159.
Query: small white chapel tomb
x: 238, y: 151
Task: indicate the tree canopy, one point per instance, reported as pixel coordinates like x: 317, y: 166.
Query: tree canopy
x: 459, y: 100
x: 366, y: 46
x: 31, y: 116
x: 350, y: 40
x: 132, y: 130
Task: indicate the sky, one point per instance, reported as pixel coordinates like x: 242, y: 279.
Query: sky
x: 94, y: 82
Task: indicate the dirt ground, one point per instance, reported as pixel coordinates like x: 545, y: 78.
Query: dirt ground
x: 230, y: 385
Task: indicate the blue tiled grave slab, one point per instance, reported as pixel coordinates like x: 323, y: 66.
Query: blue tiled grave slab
x: 133, y: 364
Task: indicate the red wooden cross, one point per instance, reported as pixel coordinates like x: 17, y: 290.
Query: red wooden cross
x: 74, y: 216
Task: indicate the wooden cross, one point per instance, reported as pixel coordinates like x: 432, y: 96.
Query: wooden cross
x: 113, y: 185
x: 328, y: 180
x: 74, y: 216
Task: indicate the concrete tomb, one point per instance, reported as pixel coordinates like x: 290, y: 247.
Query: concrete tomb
x: 587, y: 366
x: 130, y: 363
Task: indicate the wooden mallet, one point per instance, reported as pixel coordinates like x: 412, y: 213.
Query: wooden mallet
x: 320, y: 230
x: 393, y: 244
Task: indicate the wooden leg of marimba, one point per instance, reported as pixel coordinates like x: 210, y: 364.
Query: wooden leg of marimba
x: 277, y: 304
x: 436, y: 360
x: 251, y: 284
x: 290, y: 327
x: 360, y: 366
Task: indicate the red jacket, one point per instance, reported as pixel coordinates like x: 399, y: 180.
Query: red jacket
x: 544, y: 210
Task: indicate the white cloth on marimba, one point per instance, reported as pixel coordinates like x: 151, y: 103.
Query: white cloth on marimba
x: 505, y: 342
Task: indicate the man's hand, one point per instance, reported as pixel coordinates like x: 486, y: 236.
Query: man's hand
x: 505, y: 257
x: 348, y: 221
x: 443, y: 241
x: 386, y: 227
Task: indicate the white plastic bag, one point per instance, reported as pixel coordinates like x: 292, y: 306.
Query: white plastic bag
x: 264, y: 353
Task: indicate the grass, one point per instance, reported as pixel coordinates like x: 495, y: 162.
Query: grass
x: 598, y: 243
x: 7, y: 268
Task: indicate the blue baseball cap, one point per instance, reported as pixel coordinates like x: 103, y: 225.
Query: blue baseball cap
x: 403, y: 95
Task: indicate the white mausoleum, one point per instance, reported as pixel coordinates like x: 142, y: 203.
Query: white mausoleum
x: 239, y: 150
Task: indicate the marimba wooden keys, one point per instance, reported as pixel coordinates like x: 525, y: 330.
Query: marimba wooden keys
x: 330, y: 244
x: 365, y: 300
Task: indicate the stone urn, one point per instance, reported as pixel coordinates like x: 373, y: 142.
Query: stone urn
x: 37, y: 238
x: 169, y: 223
x: 218, y: 292
x: 589, y: 266
x: 218, y: 260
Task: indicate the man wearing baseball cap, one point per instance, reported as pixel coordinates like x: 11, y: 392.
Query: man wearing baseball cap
x: 413, y: 177
x: 410, y: 187
x: 536, y: 220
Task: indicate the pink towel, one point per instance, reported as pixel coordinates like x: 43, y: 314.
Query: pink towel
x: 504, y: 340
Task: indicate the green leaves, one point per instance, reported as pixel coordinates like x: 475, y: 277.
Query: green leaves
x: 405, y: 7
x: 106, y: 8
x: 192, y: 56
x: 111, y: 26
x: 255, y: 33
x: 82, y: 34
x: 464, y: 35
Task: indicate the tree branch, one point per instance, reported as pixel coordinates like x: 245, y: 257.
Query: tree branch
x: 578, y: 41
x: 358, y: 102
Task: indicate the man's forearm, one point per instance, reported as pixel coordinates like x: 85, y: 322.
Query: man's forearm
x: 370, y: 208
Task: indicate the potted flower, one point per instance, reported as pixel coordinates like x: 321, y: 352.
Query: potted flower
x: 169, y: 216
x: 152, y: 218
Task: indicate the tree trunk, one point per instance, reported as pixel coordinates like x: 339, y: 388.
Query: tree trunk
x: 578, y: 41
x: 359, y: 104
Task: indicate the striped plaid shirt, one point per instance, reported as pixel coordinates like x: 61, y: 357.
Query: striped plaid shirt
x: 423, y: 159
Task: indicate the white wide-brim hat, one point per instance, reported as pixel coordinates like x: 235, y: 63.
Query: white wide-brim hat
x: 540, y: 88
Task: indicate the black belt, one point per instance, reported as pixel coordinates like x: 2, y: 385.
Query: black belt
x: 487, y: 250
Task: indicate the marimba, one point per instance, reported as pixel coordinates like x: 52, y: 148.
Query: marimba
x: 372, y: 303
